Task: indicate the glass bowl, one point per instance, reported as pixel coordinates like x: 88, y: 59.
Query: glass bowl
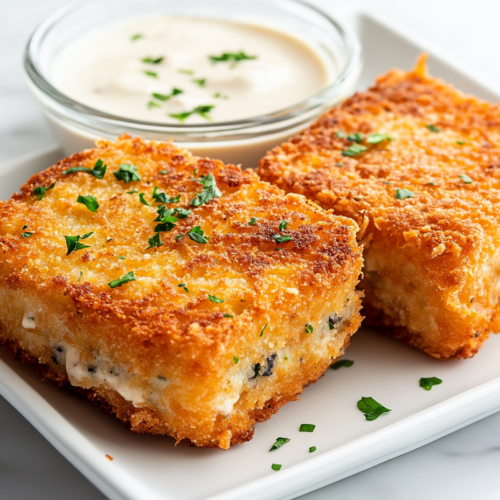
x: 76, y: 125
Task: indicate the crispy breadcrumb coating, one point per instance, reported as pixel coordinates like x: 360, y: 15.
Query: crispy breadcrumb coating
x: 207, y: 335
x: 422, y: 180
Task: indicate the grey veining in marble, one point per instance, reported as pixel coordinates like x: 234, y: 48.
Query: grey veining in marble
x: 461, y: 466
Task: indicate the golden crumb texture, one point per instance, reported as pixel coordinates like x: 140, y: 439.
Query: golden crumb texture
x: 416, y: 164
x: 202, y: 301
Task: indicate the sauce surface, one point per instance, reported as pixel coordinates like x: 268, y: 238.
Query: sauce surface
x: 189, y: 70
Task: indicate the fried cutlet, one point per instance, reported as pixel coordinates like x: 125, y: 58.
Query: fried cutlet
x: 416, y: 164
x: 187, y: 296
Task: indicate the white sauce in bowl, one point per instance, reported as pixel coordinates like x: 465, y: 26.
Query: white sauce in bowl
x: 162, y: 69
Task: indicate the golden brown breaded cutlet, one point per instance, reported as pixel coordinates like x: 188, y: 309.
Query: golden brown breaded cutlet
x: 232, y: 311
x: 427, y: 202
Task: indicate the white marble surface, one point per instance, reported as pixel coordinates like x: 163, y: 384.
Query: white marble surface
x: 462, y: 465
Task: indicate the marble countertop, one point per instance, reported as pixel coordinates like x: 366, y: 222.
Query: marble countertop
x: 462, y: 465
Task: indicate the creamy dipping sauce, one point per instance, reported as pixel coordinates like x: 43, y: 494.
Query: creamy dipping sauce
x: 168, y: 69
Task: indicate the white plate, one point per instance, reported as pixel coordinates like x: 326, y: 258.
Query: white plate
x: 149, y: 467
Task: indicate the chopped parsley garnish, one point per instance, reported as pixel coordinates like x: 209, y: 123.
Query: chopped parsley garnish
x: 309, y: 328
x: 186, y: 71
x: 427, y: 383
x: 218, y: 95
x: 377, y: 138
x: 40, y: 191
x: 121, y: 257
x: 143, y: 201
x: 213, y: 298
x: 132, y: 192
x: 228, y: 315
x: 98, y: 171
x: 312, y: 449
x: 26, y: 234
x: 25, y: 227
x: 209, y: 192
x: 152, y: 104
x: 340, y: 134
x: 283, y: 225
x: 200, y: 82
x: 282, y: 238
x: 181, y: 213
x: 73, y: 242
x: 279, y: 443
x: 356, y: 137
x: 89, y: 201
x: 167, y: 219
x: 401, y: 194
x: 232, y: 57
x: 199, y: 110
x: 166, y: 97
x: 342, y: 363
x: 127, y: 173
x: 152, y: 60
x: 252, y: 221
x: 152, y: 74
x: 263, y: 330
x: 163, y: 172
x: 235, y: 359
x: 138, y: 36
x: 431, y: 183
x: 371, y: 408
x: 155, y: 241
x: 432, y: 127
x: 121, y: 281
x: 179, y: 237
x: 460, y: 143
x: 184, y: 286
x: 164, y: 198
x: 276, y: 466
x: 307, y: 427
x: 196, y: 234
x: 466, y: 179
x: 354, y: 149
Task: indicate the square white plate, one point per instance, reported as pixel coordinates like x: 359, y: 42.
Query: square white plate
x: 151, y: 467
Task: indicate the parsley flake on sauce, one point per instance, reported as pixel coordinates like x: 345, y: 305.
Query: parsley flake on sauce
x: 143, y: 201
x: 282, y: 238
x: 466, y: 179
x: 263, y: 330
x: 132, y: 192
x: 185, y: 71
x: 200, y: 82
x: 26, y: 234
x: 121, y: 257
x: 182, y: 213
x: 307, y: 428
x: 121, y: 281
x: 339, y: 134
x: 283, y: 225
x: 356, y: 137
x: 209, y: 192
x: 377, y: 138
x: 235, y: 359
x: 279, y: 443
x: 199, y: 110
x: 166, y: 97
x: 427, y: 383
x: 152, y: 104
x: 354, y: 149
x: 342, y: 363
x: 152, y: 60
x: 98, y: 171
x: 136, y: 37
x: 460, y: 143
x: 184, y: 286
x: 371, y: 408
x: 152, y: 74
x: 401, y: 194
x: 196, y: 234
x: 213, y: 298
x: 40, y: 191
x: 432, y: 127
x: 252, y: 221
x: 232, y: 57
x: 167, y: 219
x: 89, y: 201
x: 228, y: 315
x: 127, y: 173
x: 155, y: 241
x: 179, y: 237
x: 312, y: 449
x: 73, y: 242
x: 309, y: 328
x: 276, y: 466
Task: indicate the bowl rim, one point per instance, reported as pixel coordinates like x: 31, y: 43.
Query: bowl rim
x: 352, y: 46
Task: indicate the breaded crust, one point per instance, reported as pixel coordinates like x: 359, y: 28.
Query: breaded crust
x: 432, y: 255
x: 195, y: 361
